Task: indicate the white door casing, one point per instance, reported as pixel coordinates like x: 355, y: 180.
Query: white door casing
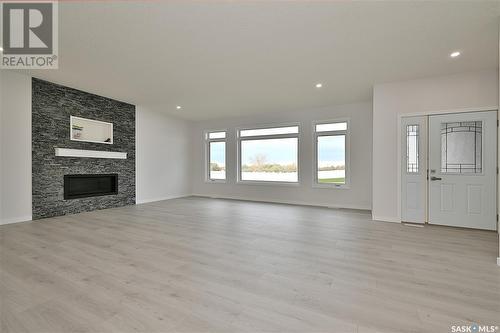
x: 414, y: 169
x: 462, y: 169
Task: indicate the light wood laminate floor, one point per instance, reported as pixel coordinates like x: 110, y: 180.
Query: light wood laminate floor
x: 211, y: 265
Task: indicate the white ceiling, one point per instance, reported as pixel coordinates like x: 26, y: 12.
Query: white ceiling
x: 220, y: 59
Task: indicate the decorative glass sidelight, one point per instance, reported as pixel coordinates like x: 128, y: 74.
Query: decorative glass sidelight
x: 412, y: 136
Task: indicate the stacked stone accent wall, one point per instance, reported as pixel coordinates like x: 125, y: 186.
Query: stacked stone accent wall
x: 52, y: 106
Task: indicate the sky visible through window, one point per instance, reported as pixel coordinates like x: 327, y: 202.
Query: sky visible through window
x: 330, y: 151
x: 217, y: 161
x: 218, y: 153
x: 331, y: 159
x: 276, y: 151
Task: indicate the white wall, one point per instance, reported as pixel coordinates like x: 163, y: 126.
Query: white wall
x: 163, y: 146
x: 359, y: 194
x: 466, y: 91
x: 15, y: 147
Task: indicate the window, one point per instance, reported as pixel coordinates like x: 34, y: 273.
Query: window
x: 216, y: 153
x: 217, y: 135
x: 412, y: 135
x: 269, y: 154
x: 461, y: 147
x: 270, y: 131
x: 331, y: 147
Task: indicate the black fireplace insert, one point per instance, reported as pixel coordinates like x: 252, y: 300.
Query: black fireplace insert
x: 93, y: 185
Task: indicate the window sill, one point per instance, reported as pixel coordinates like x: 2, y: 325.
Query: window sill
x: 218, y: 181
x: 332, y: 187
x: 268, y: 183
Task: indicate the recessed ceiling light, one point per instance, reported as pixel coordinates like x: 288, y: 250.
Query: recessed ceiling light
x: 319, y: 85
x: 455, y: 54
x: 178, y: 107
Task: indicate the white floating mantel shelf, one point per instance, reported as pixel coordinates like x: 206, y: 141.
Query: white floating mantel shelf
x: 66, y: 152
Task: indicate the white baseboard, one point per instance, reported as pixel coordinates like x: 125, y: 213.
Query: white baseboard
x: 386, y: 219
x: 288, y: 202
x: 16, y: 219
x: 142, y: 201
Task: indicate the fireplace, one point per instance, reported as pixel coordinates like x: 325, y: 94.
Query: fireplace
x: 82, y: 186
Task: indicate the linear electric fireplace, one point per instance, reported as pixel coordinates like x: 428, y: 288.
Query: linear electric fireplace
x: 82, y: 186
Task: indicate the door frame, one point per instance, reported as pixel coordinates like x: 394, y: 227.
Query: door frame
x: 434, y: 113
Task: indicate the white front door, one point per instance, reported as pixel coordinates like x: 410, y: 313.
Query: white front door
x: 414, y: 169
x: 462, y: 169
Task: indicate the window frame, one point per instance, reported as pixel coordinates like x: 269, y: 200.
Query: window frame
x: 207, y: 155
x: 315, y: 135
x: 239, y: 139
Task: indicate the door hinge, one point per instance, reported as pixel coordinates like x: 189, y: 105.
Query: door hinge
x: 498, y: 122
x: 497, y: 170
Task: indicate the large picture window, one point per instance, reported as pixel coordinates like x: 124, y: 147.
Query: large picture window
x: 216, y: 155
x: 269, y: 154
x: 331, y: 148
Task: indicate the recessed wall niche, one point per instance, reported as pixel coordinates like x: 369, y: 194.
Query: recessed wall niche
x: 53, y: 106
x: 91, y: 130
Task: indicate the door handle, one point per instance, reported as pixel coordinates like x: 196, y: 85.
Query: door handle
x: 436, y: 178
